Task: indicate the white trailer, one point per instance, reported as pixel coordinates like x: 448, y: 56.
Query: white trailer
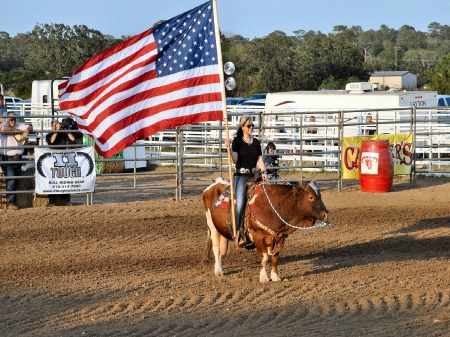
x: 359, y: 99
x: 342, y: 99
x: 41, y: 91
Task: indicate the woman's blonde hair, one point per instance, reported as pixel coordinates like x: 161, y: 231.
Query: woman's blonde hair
x: 244, y: 120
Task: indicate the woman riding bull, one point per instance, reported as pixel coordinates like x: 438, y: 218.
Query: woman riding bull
x: 245, y: 153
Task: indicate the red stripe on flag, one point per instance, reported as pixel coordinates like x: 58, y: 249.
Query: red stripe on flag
x: 99, y: 58
x: 106, y: 92
x: 98, y: 77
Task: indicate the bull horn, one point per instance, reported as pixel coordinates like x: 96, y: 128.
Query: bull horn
x: 313, y: 186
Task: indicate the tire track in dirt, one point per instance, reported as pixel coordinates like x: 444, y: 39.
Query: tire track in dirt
x: 290, y: 315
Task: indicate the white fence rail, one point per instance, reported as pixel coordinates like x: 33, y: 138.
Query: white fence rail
x: 306, y: 140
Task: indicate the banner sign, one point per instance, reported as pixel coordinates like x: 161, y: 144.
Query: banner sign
x: 64, y: 171
x: 401, y: 148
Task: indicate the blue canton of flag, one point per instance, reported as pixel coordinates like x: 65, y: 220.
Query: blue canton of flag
x: 187, y: 41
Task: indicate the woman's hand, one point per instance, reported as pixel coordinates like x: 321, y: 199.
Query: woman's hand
x: 228, y: 144
x: 265, y: 176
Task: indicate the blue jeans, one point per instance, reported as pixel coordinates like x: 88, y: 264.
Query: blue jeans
x: 240, y: 191
x: 10, y: 170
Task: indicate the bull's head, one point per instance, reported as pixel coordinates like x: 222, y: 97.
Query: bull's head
x: 314, y: 207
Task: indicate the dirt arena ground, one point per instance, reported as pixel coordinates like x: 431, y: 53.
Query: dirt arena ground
x: 135, y: 267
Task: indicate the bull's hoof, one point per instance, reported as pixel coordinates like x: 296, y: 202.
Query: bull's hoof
x: 250, y: 245
x: 274, y: 277
x: 245, y: 242
x: 263, y: 276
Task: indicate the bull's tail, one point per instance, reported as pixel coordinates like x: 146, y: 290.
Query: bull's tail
x: 208, y: 248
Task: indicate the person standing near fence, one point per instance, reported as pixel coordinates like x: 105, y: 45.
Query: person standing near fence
x: 10, y: 136
x: 59, y: 138
x: 370, y: 129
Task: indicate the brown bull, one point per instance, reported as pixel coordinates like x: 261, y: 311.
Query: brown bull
x: 273, y: 213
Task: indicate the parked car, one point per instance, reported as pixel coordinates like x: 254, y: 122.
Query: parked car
x: 258, y: 96
x: 24, y: 105
x: 235, y: 100
x: 10, y: 102
x: 444, y: 116
x: 254, y: 102
x: 241, y: 101
x: 443, y: 100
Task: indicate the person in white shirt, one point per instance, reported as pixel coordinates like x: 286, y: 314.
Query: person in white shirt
x: 11, y: 134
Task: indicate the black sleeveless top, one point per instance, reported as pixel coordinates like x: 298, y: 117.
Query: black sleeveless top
x: 248, y: 154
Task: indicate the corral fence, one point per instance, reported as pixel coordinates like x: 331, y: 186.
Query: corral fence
x: 184, y: 158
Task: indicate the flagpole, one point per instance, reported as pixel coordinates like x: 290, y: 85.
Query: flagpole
x: 224, y: 104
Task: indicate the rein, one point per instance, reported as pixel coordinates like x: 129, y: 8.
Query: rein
x: 317, y: 225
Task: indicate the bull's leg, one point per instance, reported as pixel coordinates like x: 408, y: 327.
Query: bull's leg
x: 215, y: 238
x: 263, y: 278
x: 274, y: 272
x: 225, y: 246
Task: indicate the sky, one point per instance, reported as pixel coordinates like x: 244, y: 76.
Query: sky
x: 249, y: 18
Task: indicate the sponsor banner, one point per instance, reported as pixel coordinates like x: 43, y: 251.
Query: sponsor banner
x: 64, y: 171
x: 401, y: 148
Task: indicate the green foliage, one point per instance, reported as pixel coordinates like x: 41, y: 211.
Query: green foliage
x: 19, y: 80
x: 331, y: 56
x: 330, y: 83
x: 49, y: 51
x: 59, y: 49
x: 307, y: 60
x: 439, y: 78
x: 376, y: 48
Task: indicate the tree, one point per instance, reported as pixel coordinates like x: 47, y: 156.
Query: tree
x: 348, y: 35
x: 320, y: 58
x: 439, y: 78
x: 376, y: 48
x: 59, y: 49
x: 302, y: 35
x: 4, y: 35
x: 265, y: 64
x: 330, y: 83
x: 19, y: 80
x: 13, y: 55
x: 408, y: 38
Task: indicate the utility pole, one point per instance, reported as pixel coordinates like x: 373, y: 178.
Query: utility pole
x: 396, y: 59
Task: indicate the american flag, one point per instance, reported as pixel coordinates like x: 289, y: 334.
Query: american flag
x: 164, y: 77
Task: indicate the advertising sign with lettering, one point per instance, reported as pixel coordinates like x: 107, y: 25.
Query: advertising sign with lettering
x: 65, y: 171
x: 401, y: 148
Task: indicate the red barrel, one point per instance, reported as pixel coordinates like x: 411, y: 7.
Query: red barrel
x: 375, y: 166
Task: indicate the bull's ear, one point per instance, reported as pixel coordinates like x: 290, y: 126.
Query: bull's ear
x: 298, y: 190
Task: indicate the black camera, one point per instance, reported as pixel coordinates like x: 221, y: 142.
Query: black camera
x: 68, y: 124
x: 274, y: 162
